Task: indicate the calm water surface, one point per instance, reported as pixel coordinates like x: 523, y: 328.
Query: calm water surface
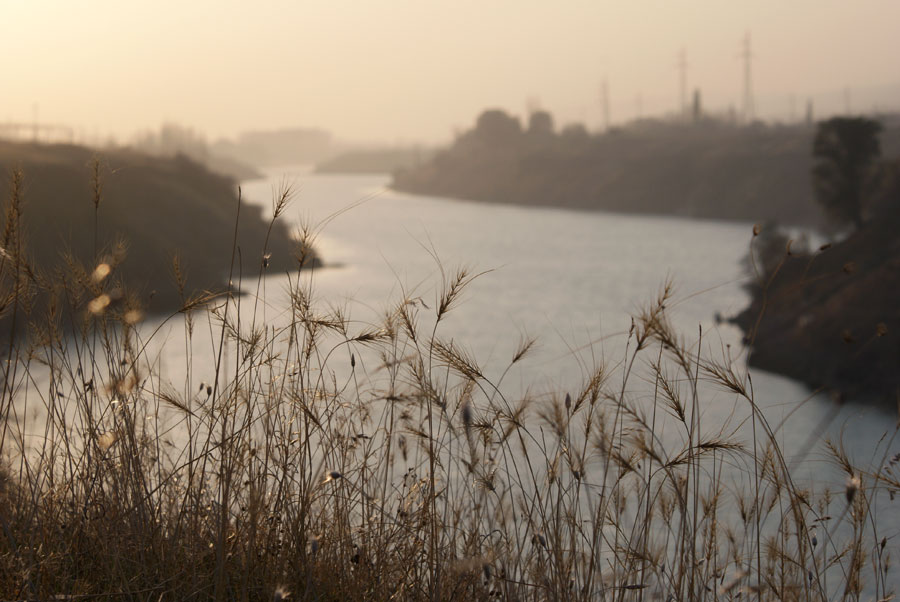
x: 571, y: 279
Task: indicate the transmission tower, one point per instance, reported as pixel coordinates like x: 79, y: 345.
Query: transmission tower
x: 604, y: 103
x: 34, y: 120
x: 747, y: 57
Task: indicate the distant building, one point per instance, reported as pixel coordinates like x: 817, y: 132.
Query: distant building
x: 278, y: 147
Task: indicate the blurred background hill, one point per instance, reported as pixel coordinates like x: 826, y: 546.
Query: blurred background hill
x: 158, y: 207
x: 705, y: 168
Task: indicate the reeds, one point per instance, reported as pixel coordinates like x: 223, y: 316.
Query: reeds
x: 336, y: 461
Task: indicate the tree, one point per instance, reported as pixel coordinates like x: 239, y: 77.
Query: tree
x: 496, y: 128
x: 540, y: 123
x: 845, y: 149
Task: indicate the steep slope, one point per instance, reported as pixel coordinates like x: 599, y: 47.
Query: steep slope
x: 158, y: 208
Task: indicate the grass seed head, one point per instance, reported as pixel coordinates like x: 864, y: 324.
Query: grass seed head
x: 100, y: 273
x: 99, y: 304
x: 106, y: 440
x: 133, y: 316
x: 853, y: 484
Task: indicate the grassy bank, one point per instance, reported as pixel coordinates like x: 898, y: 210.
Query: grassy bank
x: 335, y: 461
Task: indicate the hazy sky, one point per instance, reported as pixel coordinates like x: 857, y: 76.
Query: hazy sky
x: 404, y: 70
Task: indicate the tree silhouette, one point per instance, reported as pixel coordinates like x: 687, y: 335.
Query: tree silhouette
x: 845, y: 149
x: 496, y: 128
x: 540, y: 123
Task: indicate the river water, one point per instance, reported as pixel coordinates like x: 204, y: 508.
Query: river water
x: 571, y: 279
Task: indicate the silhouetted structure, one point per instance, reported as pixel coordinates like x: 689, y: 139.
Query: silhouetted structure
x: 697, y: 108
x: 682, y: 82
x: 604, y: 103
x: 278, y: 147
x: 37, y: 132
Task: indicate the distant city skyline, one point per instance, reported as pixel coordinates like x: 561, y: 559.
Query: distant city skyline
x: 406, y: 71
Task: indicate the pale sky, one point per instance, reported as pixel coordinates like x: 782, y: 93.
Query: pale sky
x: 415, y: 70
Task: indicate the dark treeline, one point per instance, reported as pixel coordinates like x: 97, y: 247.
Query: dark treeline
x: 705, y: 168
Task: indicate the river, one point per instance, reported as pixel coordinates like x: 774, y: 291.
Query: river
x: 571, y: 279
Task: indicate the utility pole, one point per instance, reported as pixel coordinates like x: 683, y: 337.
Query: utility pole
x: 747, y: 56
x: 604, y: 103
x: 682, y: 80
x: 34, y: 115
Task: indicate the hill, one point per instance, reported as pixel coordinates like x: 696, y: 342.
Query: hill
x: 158, y: 208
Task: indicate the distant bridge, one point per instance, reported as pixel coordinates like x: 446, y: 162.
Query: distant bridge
x: 36, y: 132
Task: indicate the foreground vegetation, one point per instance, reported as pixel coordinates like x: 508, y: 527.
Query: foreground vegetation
x: 334, y: 461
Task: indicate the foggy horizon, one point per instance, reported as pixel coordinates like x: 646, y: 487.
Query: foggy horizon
x: 402, y: 72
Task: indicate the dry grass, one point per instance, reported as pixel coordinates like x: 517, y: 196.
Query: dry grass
x: 323, y: 461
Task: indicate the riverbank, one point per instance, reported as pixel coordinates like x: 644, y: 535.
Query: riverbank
x: 75, y: 207
x: 830, y: 317
x: 703, y: 169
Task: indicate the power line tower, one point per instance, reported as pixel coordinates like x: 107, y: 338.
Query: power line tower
x: 34, y: 122
x: 532, y: 106
x: 682, y: 66
x: 749, y: 107
x: 604, y: 103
